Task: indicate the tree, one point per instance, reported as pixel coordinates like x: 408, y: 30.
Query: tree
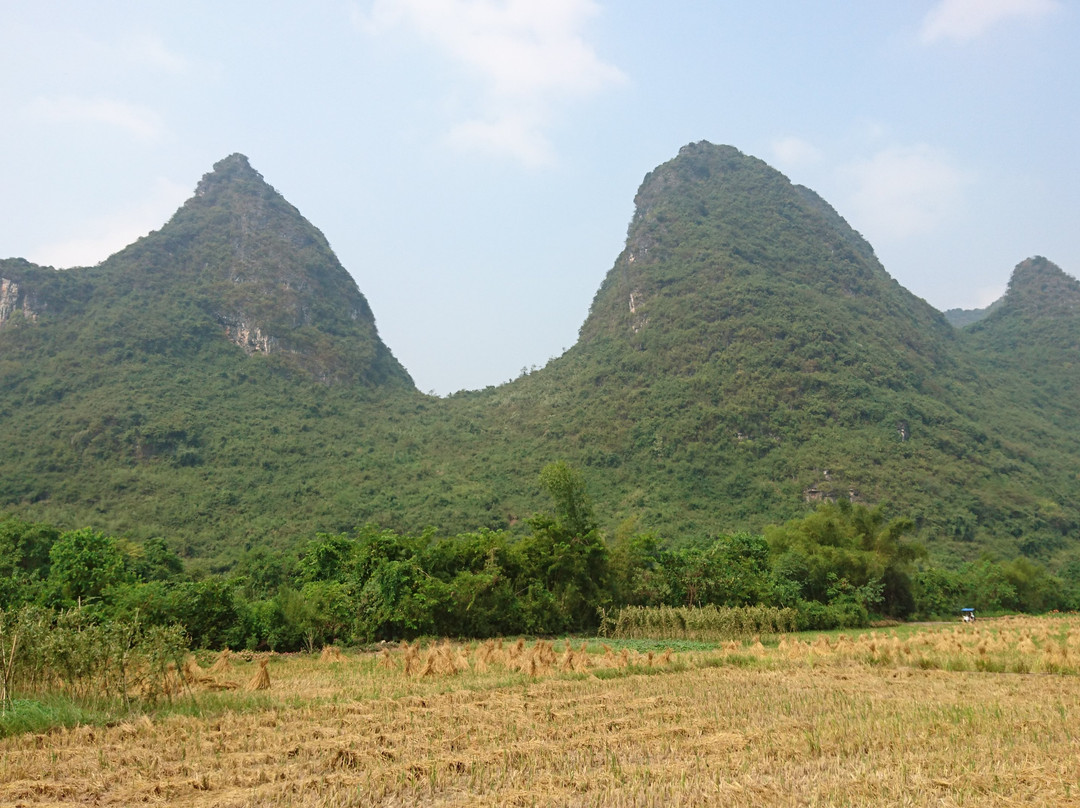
x: 208, y: 610
x: 320, y: 612
x: 84, y: 564
x: 850, y: 549
x: 24, y: 559
x: 566, y: 552
x: 565, y: 484
x: 327, y: 558
x: 156, y: 561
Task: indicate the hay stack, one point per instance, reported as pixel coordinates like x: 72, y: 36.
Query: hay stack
x: 331, y: 653
x: 261, y: 680
x: 567, y: 662
x: 194, y: 674
x: 412, y: 654
x: 429, y: 662
x: 386, y: 659
x: 167, y: 684
x: 445, y: 663
x: 461, y: 660
x: 171, y: 684
x: 223, y: 662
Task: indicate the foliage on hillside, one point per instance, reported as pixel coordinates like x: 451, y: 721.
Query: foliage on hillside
x: 221, y: 383
x: 836, y: 567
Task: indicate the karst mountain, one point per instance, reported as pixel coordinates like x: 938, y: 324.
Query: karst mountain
x: 221, y: 383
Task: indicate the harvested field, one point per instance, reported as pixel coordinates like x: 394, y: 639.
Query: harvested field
x: 985, y: 715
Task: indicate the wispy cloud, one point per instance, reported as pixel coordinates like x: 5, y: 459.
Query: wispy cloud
x: 905, y: 191
x: 148, y: 50
x: 100, y: 236
x: 138, y: 121
x: 793, y: 152
x: 518, y: 136
x: 528, y: 57
x: 963, y: 20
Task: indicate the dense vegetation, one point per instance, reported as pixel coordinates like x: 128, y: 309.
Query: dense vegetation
x: 219, y: 387
x: 839, y: 566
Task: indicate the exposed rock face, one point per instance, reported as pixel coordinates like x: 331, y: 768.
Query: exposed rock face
x: 245, y: 265
x: 248, y: 336
x: 9, y: 299
x: 12, y: 299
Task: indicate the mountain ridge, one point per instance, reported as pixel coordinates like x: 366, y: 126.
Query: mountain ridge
x: 745, y: 357
x: 247, y: 266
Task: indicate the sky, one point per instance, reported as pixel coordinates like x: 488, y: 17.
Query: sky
x: 473, y: 163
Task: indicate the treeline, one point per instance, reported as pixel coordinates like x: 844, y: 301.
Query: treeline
x: 842, y: 565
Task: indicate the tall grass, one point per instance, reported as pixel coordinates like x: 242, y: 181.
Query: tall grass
x: 704, y: 623
x: 70, y: 653
x: 48, y: 713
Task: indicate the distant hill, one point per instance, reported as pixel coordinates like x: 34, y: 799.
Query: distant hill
x: 160, y: 392
x: 1029, y: 346
x: 748, y: 355
x: 965, y: 317
x: 237, y: 263
x: 221, y: 383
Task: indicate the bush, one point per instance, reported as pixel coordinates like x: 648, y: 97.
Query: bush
x: 72, y: 652
x: 816, y: 616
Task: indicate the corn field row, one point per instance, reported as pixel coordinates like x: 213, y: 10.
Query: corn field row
x: 705, y: 623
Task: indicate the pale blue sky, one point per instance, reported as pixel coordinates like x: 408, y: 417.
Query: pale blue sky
x: 473, y: 163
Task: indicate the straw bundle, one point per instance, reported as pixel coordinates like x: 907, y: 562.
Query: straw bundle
x: 567, y: 661
x: 412, y: 654
x: 261, y: 680
x: 223, y: 662
x: 194, y: 674
x: 331, y: 653
x: 386, y: 659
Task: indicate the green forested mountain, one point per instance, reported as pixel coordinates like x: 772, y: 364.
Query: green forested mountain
x: 221, y: 383
x: 965, y: 317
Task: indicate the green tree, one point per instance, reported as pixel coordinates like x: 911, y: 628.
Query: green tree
x: 1036, y: 590
x: 84, y: 564
x: 154, y: 560
x: 24, y: 559
x: 328, y: 558
x: 209, y: 611
x: 400, y: 599
x: 635, y: 568
x: 848, y: 551
x: 565, y: 484
x: 565, y: 552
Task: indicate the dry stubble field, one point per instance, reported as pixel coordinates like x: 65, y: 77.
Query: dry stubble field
x: 944, y: 715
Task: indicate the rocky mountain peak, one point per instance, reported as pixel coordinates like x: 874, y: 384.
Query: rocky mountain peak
x: 720, y: 238
x: 235, y: 262
x: 232, y: 171
x: 1039, y: 288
